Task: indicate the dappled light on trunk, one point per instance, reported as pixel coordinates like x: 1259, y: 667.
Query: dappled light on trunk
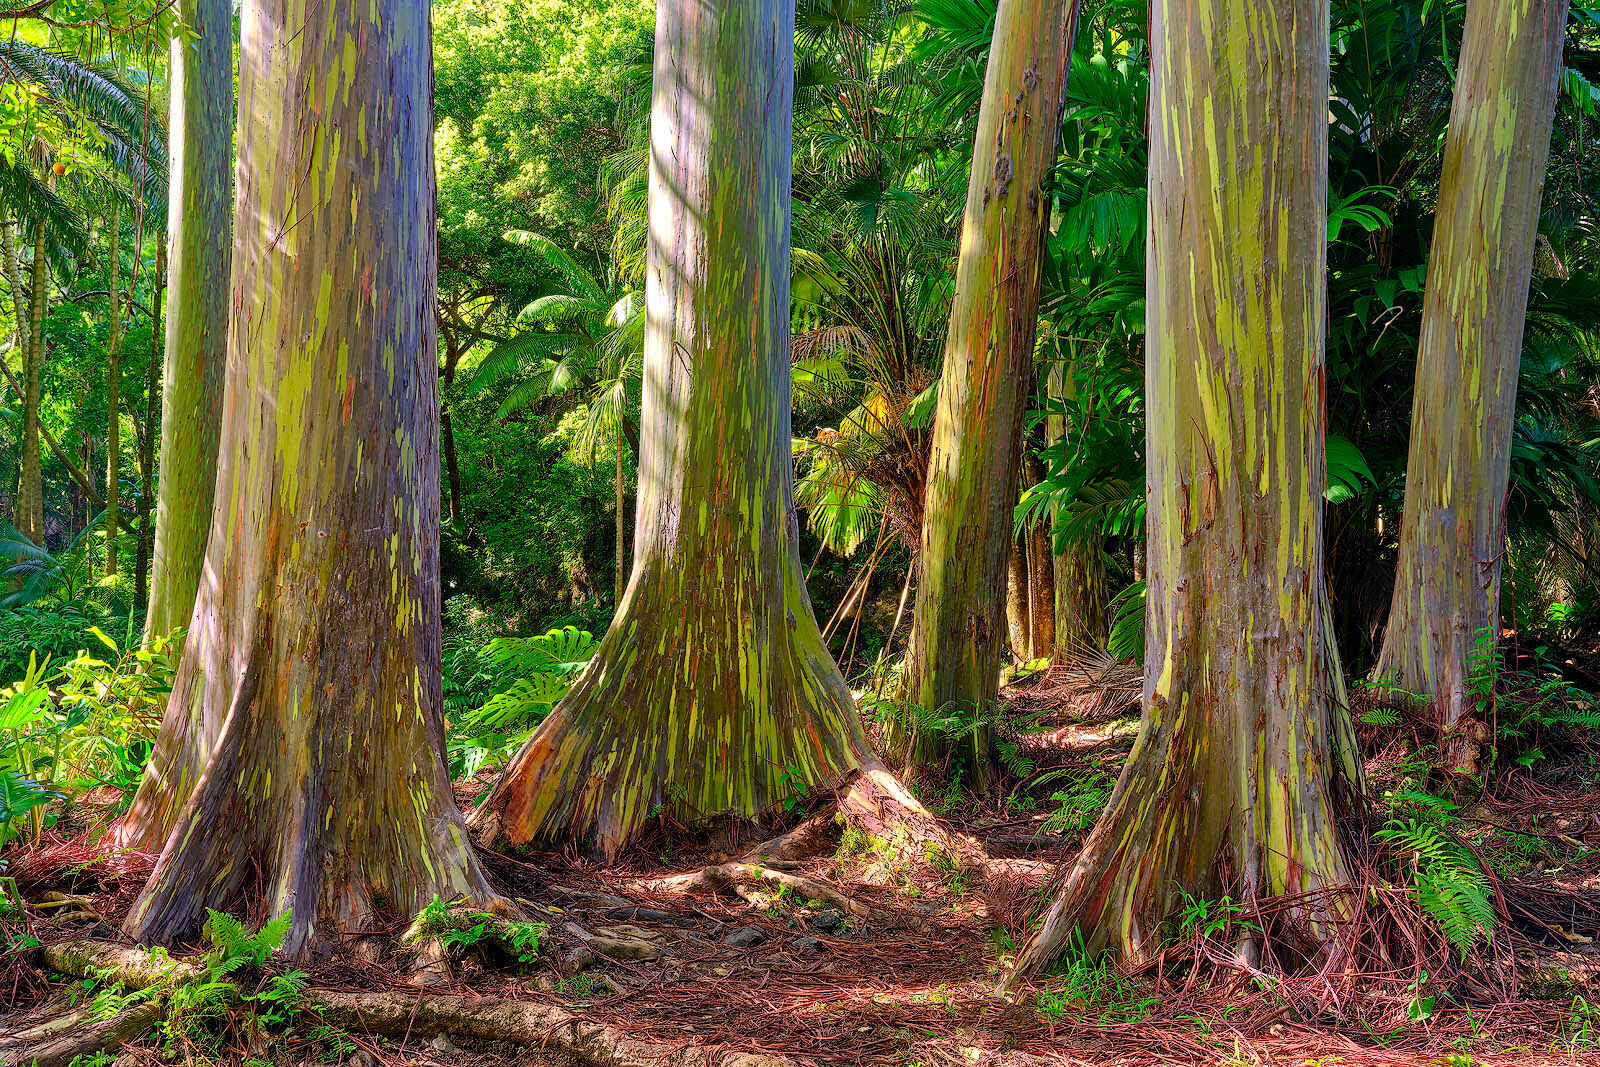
x: 302, y: 747
x: 712, y: 691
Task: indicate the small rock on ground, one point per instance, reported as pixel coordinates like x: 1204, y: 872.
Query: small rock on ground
x: 745, y: 937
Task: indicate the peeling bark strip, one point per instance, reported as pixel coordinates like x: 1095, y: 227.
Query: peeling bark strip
x: 200, y: 221
x: 1447, y: 585
x: 712, y: 691
x: 957, y: 633
x: 303, y: 736
x: 1234, y: 760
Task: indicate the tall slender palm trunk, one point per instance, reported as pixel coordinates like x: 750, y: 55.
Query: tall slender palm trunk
x: 30, y: 487
x: 147, y: 439
x: 113, y: 394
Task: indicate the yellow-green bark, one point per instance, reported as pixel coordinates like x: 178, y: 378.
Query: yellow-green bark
x: 712, y: 691
x: 1230, y: 785
x: 200, y: 253
x: 957, y: 634
x: 301, y: 754
x: 1447, y: 584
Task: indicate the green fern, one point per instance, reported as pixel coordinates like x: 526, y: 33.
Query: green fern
x: 1452, y: 888
x: 234, y: 945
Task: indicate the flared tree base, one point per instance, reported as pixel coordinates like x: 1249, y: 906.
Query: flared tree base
x: 269, y: 829
x: 613, y: 755
x: 1193, y: 813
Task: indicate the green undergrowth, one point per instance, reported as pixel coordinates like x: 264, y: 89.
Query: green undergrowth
x: 459, y: 929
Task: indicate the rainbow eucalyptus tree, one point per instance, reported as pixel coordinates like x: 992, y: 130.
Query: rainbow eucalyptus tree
x: 301, y: 750
x: 1445, y: 611
x: 958, y: 629
x: 1233, y: 770
x: 199, y: 256
x: 712, y: 691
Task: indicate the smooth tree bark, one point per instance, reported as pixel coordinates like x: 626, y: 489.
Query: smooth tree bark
x: 1018, y: 619
x: 956, y: 634
x: 113, y: 394
x: 712, y: 691
x: 1041, y: 578
x: 199, y: 257
x: 1445, y: 612
x: 1079, y: 585
x: 302, y: 745
x: 1230, y: 786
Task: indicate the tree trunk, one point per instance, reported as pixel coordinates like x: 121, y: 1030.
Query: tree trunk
x: 1041, y: 578
x: 1080, y: 581
x: 1229, y: 787
x: 712, y: 691
x: 447, y: 429
x: 622, y: 520
x: 19, y: 314
x: 304, y: 736
x: 200, y: 221
x: 1444, y: 616
x: 955, y: 648
x: 30, y: 490
x: 113, y: 394
x: 1018, y: 618
x: 147, y: 440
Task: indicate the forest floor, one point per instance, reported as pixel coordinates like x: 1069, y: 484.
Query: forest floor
x: 860, y: 955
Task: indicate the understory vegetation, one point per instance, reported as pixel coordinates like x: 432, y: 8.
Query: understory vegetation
x: 629, y: 615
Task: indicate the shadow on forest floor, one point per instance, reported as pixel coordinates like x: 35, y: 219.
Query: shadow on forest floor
x: 904, y: 972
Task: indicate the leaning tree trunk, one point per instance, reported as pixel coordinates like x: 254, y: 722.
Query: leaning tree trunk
x: 1229, y: 785
x: 200, y: 252
x: 304, y: 737
x: 712, y: 691
x: 1444, y: 615
x: 956, y: 631
x: 30, y: 488
x: 113, y: 396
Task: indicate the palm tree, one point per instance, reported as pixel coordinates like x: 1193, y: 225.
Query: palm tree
x: 584, y: 338
x: 94, y: 137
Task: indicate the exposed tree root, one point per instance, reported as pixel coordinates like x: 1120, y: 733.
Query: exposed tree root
x: 875, y: 801
x: 727, y: 875
x: 59, y: 1041
x: 548, y: 1027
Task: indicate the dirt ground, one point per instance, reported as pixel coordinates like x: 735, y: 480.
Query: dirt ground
x: 897, y: 961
